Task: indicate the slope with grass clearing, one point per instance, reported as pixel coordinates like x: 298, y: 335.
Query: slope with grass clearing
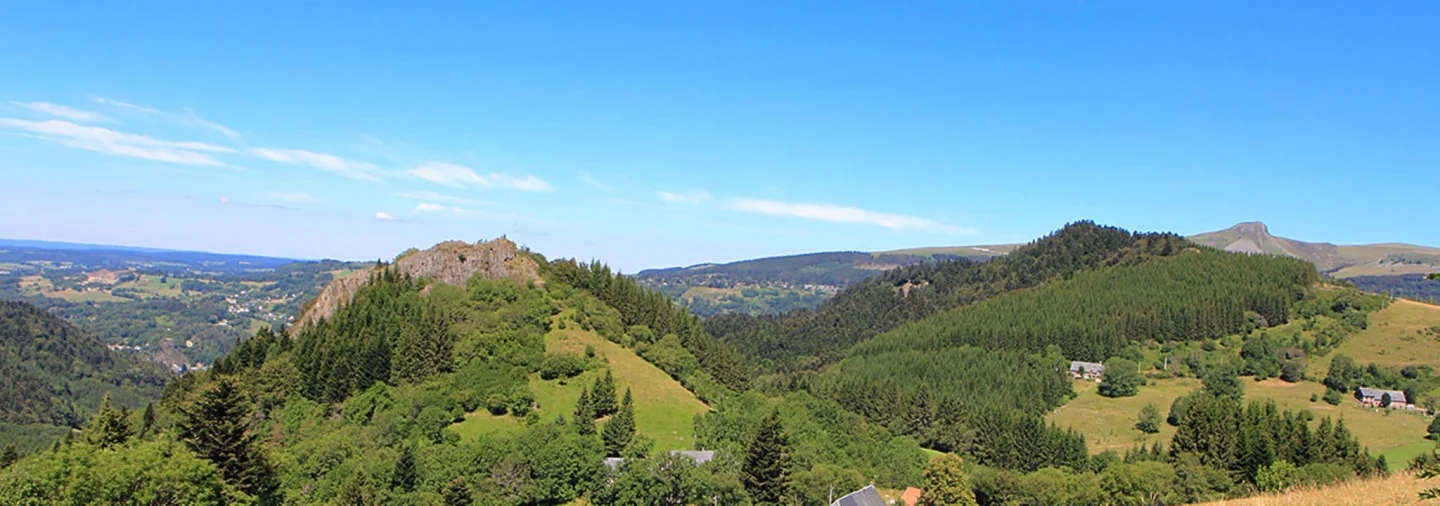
x: 664, y: 410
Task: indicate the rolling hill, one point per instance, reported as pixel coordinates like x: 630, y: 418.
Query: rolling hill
x: 776, y: 285
x: 56, y: 375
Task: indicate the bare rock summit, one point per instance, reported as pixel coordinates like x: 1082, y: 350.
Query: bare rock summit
x: 450, y: 262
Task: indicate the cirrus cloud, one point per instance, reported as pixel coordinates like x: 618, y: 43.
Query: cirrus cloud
x: 109, y: 141
x: 843, y: 214
x: 450, y: 174
x: 323, y: 161
x: 384, y: 216
x: 63, y: 111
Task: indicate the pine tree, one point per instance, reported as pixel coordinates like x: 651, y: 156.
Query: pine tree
x: 585, y: 415
x: 108, y: 429
x: 9, y: 456
x: 147, y: 420
x: 404, y: 477
x: 766, y: 470
x: 620, y: 429
x: 945, y: 483
x: 602, y: 397
x: 215, y: 427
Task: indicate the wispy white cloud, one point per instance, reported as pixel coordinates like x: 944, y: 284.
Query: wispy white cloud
x: 587, y: 178
x: 462, y: 212
x: 125, y: 105
x: 450, y: 174
x: 426, y: 207
x: 443, y: 198
x: 196, y: 119
x: 63, y: 111
x: 188, y: 117
x: 105, y: 140
x: 293, y: 196
x: 844, y: 214
x: 689, y: 198
x: 323, y: 161
x: 384, y: 216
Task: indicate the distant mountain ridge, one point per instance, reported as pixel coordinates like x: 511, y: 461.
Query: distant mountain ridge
x: 1340, y: 261
x: 775, y: 285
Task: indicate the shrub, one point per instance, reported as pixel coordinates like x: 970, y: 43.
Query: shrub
x: 497, y: 404
x: 1276, y: 477
x: 1332, y: 397
x: 562, y: 365
x: 520, y: 402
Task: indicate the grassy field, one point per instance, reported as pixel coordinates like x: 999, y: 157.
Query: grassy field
x: 1400, y: 456
x: 1400, y: 488
x: 664, y: 410
x: 1393, y: 338
x: 1384, y: 270
x: 1377, y: 428
x: 1109, y: 424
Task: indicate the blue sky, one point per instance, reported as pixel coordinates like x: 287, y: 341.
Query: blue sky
x: 652, y: 134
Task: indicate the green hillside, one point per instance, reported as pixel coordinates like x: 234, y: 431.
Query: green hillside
x: 664, y: 410
x: 56, y: 375
x: 810, y: 339
x: 514, y: 389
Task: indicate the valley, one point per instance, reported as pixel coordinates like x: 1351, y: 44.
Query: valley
x: 179, y: 309
x: 490, y: 372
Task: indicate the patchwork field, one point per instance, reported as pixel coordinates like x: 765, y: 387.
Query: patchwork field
x: 664, y: 410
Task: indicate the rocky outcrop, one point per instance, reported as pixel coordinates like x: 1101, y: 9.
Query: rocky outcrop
x: 451, y: 262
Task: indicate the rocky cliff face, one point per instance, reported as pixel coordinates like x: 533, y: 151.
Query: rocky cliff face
x: 451, y: 262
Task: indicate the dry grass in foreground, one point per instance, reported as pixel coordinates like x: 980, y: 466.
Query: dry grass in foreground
x: 1400, y: 488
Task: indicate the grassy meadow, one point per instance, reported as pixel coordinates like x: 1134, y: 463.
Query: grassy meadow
x: 1398, y: 488
x: 1394, y: 337
x: 1109, y: 424
x: 664, y: 410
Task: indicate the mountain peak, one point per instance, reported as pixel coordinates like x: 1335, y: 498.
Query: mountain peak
x: 1256, y: 228
x: 450, y: 262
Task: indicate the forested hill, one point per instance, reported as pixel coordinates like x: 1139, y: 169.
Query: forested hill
x: 808, y: 339
x: 56, y: 374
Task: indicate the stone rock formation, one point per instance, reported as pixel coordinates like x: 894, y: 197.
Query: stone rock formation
x: 450, y: 262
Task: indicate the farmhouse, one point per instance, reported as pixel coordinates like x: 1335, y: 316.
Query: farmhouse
x: 700, y: 458
x: 1087, y: 370
x: 867, y: 496
x: 1375, y: 398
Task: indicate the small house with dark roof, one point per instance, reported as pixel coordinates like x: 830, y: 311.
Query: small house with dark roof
x: 700, y: 458
x: 867, y: 496
x: 1376, y: 398
x: 1087, y: 370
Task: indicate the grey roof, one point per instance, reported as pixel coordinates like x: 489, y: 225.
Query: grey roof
x: 700, y: 458
x: 867, y: 496
x: 1077, y: 365
x: 1395, y: 395
x: 613, y: 463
